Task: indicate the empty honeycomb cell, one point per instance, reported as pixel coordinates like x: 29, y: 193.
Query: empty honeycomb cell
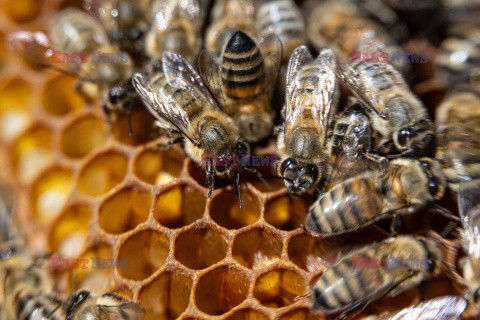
x: 158, y: 167
x: 278, y: 287
x: 247, y: 314
x: 102, y: 173
x: 59, y: 96
x: 199, y: 248
x: 287, y: 213
x: 257, y: 248
x: 49, y: 193
x: 300, y: 314
x: 124, y: 210
x: 179, y: 206
x: 70, y: 230
x: 15, y: 100
x: 143, y: 128
x: 22, y: 11
x: 167, y: 296
x: 145, y: 252
x: 83, y: 135
x: 32, y: 152
x: 92, y: 268
x: 221, y: 289
x: 225, y: 209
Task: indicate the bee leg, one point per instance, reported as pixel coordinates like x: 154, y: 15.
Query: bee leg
x: 210, y: 179
x: 107, y: 112
x: 396, y: 225
x: 128, y: 110
x: 237, y: 181
x: 353, y: 311
x: 168, y: 145
x: 382, y: 161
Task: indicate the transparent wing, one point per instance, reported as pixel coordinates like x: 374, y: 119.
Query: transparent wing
x: 37, y: 48
x: 164, y: 108
x: 125, y: 310
x: 164, y: 11
x: 208, y: 66
x: 325, y: 88
x: 469, y: 209
x: 104, y: 11
x: 181, y: 75
x: 271, y: 43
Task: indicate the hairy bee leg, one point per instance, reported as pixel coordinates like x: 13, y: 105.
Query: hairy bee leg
x: 382, y: 161
x: 443, y: 211
x: 107, y: 112
x: 168, y: 145
x: 396, y: 225
x: 210, y: 179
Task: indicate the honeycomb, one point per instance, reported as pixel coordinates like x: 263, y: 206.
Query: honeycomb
x: 88, y: 192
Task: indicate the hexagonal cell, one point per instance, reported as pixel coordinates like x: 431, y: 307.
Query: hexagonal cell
x: 257, y: 248
x: 124, y: 210
x: 266, y: 168
x: 287, y: 213
x: 299, y: 314
x: 83, y: 135
x: 225, y: 209
x: 198, y: 174
x: 278, y: 287
x: 102, y: 173
x: 15, y: 100
x: 158, y: 167
x: 59, y: 96
x: 22, y: 11
x: 221, y: 289
x: 247, y: 314
x: 167, y: 296
x: 32, y: 152
x: 143, y: 128
x: 199, y: 248
x: 70, y: 230
x: 49, y: 193
x: 145, y: 252
x: 179, y: 206
x: 94, y: 267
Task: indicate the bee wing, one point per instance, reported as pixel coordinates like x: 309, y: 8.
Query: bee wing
x: 469, y: 209
x: 299, y: 57
x: 104, y: 11
x: 36, y: 47
x: 208, y: 66
x: 164, y: 108
x: 180, y: 74
x: 127, y: 310
x: 271, y: 47
x: 164, y: 11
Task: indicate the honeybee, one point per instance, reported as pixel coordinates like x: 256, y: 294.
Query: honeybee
x: 310, y: 103
x: 125, y: 21
x: 182, y: 104
x: 246, y: 80
x: 175, y: 27
x: 458, y: 55
x: 404, y: 186
x: 284, y: 18
x: 340, y: 25
x: 458, y: 135
x: 228, y: 16
x: 399, y: 119
x: 74, y: 36
x: 348, y: 284
x: 469, y: 209
x: 85, y: 305
x: 440, y: 308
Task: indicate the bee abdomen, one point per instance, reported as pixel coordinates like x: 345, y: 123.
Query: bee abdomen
x: 242, y: 71
x: 284, y: 17
x: 30, y: 307
x: 345, y: 207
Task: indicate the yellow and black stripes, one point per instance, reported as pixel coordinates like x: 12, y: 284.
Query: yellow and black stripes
x: 242, y: 68
x: 345, y: 207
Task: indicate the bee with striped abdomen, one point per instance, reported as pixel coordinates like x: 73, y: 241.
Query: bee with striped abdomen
x: 310, y: 103
x: 458, y: 136
x: 440, y: 308
x: 182, y: 104
x: 228, y: 16
x: 246, y: 79
x: 348, y: 284
x: 399, y: 119
x: 404, y: 186
x: 76, y: 36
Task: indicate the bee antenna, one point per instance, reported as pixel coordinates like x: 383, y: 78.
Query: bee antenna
x: 260, y: 176
x: 443, y: 211
x: 313, y: 185
x: 74, y: 283
x: 129, y: 119
x: 237, y: 180
x: 400, y: 155
x: 53, y: 311
x: 309, y: 293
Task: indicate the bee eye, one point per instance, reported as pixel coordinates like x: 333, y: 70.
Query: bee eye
x: 476, y: 295
x: 287, y: 163
x: 313, y: 171
x: 404, y: 136
x: 240, y: 148
x: 116, y: 94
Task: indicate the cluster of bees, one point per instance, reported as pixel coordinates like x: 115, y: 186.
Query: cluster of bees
x: 353, y: 131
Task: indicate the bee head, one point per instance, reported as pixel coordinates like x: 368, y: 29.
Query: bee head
x: 415, y: 137
x: 74, y: 302
x: 436, y: 178
x: 231, y: 161
x: 299, y: 176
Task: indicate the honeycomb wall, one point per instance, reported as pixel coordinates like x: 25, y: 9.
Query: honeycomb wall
x: 87, y: 192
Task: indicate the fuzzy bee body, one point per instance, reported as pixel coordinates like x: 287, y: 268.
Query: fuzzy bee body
x: 405, y: 185
x: 346, y: 285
